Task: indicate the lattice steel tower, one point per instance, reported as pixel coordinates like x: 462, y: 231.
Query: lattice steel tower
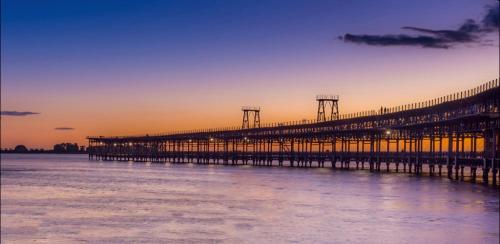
x: 251, y: 111
x: 327, y: 102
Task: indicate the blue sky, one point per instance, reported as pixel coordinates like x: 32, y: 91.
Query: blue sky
x: 141, y: 61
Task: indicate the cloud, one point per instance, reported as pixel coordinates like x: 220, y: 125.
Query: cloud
x: 395, y: 40
x: 466, y: 32
x: 469, y: 32
x: 492, y: 18
x: 17, y: 113
x: 64, y: 128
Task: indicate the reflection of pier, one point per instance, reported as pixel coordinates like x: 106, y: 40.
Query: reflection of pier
x: 445, y: 135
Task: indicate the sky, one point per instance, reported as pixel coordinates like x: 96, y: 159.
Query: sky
x: 71, y: 69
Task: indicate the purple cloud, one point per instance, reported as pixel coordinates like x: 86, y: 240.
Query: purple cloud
x: 17, y: 113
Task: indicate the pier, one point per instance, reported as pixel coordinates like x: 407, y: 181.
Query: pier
x: 453, y: 136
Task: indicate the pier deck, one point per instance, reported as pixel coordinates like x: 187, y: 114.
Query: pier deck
x: 451, y: 134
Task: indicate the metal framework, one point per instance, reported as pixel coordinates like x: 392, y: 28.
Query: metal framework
x: 250, y: 111
x: 441, y: 136
x: 326, y: 102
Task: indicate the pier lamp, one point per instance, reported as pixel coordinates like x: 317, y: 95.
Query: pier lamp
x: 388, y: 132
x: 114, y: 144
x: 190, y: 140
x: 211, y: 139
x: 245, y: 138
x: 130, y: 144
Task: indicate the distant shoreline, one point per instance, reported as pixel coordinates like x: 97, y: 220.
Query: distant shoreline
x: 47, y: 152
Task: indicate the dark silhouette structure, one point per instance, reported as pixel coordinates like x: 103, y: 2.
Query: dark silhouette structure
x: 327, y: 103
x: 250, y: 112
x: 62, y: 148
x: 20, y: 149
x: 66, y: 148
x: 445, y: 135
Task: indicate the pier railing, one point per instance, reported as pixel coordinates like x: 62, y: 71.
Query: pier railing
x: 455, y: 131
x: 453, y: 97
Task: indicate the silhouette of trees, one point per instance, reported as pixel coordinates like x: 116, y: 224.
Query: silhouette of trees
x: 20, y: 149
x: 57, y: 148
x: 66, y: 148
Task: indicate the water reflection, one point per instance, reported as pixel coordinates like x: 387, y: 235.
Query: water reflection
x: 69, y: 199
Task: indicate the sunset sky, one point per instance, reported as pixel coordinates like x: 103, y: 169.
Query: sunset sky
x: 80, y: 68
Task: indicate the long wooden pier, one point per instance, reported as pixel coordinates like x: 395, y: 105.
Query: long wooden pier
x: 454, y: 135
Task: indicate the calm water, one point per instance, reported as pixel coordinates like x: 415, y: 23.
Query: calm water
x: 67, y: 199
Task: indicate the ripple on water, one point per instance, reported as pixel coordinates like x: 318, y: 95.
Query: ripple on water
x: 65, y: 198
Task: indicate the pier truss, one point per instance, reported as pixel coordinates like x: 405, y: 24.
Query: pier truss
x: 247, y: 112
x: 443, y: 136
x: 325, y: 103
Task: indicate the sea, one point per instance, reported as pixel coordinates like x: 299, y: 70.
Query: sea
x: 49, y: 198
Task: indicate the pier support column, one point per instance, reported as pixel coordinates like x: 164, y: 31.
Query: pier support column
x: 448, y: 155
x: 489, y: 154
x: 457, y: 152
x: 370, y: 160
x: 495, y: 154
